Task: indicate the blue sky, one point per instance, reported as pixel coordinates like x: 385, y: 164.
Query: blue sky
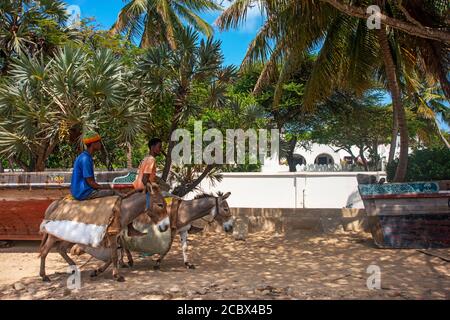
x: 234, y: 42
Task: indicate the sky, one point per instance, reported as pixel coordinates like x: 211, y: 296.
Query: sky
x: 234, y: 42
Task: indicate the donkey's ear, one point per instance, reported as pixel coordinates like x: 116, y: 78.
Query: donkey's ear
x: 226, y: 195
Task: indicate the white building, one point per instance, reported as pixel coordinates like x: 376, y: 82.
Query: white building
x: 318, y: 157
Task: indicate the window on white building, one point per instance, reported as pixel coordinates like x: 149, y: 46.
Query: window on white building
x: 324, y: 159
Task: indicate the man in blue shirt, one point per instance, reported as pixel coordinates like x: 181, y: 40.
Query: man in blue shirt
x: 83, y: 185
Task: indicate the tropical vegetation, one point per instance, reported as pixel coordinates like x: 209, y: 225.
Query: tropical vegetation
x: 315, y: 70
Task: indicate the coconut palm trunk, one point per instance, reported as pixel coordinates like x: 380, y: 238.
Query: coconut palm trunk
x: 394, y: 89
x: 447, y: 144
x: 393, y: 146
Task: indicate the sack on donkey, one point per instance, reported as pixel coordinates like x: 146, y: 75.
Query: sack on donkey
x: 84, y: 222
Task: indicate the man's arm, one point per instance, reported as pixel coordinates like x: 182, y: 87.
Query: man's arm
x: 145, y: 178
x: 94, y: 185
x: 88, y: 175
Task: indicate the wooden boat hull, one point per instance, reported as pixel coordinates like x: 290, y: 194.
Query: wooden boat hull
x: 411, y: 231
x: 408, y: 217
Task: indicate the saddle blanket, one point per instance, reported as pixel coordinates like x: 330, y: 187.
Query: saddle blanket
x: 84, y: 222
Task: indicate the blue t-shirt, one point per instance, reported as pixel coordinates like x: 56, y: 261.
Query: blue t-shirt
x: 83, y: 168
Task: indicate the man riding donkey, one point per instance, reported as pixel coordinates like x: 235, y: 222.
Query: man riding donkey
x: 147, y: 173
x: 83, y: 185
x: 70, y: 224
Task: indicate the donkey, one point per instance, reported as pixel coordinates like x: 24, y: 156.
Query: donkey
x: 184, y: 215
x: 132, y: 206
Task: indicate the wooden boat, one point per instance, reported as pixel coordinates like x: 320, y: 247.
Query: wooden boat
x: 407, y: 215
x: 24, y: 197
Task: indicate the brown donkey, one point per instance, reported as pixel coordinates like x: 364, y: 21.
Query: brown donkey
x: 131, y: 206
x: 181, y: 217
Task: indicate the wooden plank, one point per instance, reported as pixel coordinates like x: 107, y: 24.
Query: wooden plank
x: 407, y: 206
x: 429, y: 253
x: 445, y: 194
x: 20, y: 237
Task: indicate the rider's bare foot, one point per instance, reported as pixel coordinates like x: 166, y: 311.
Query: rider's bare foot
x: 132, y: 232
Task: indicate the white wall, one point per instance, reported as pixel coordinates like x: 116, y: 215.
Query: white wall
x: 290, y: 190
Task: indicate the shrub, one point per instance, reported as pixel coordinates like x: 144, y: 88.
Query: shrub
x: 425, y: 165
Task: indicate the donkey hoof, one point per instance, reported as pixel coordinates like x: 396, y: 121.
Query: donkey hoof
x: 119, y: 278
x: 189, y: 265
x: 94, y: 273
x: 157, y: 267
x: 125, y: 265
x: 45, y: 279
x: 131, y: 264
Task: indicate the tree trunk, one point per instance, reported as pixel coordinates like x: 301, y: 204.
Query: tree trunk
x: 129, y: 156
x: 173, y: 127
x: 19, y: 162
x: 290, y: 155
x: 413, y: 29
x: 39, y: 164
x: 442, y: 136
x: 376, y: 157
x: 168, y: 162
x: 105, y: 157
x: 1, y: 166
x: 394, y: 88
x: 11, y: 165
x: 393, y: 146
x: 363, y: 159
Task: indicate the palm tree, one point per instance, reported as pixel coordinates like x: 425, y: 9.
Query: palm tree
x: 426, y: 100
x: 156, y: 21
x: 183, y: 81
x: 28, y: 26
x: 350, y: 54
x: 45, y: 102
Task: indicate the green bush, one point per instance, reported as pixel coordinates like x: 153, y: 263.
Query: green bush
x: 425, y: 165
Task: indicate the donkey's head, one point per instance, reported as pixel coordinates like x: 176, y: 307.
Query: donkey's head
x: 221, y: 212
x: 158, y: 208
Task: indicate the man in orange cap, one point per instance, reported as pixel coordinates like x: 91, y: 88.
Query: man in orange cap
x: 83, y: 185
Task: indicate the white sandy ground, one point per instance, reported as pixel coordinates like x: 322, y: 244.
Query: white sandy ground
x: 265, y: 266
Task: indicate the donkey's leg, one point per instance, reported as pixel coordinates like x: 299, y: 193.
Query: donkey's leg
x: 62, y: 250
x: 47, y: 244
x: 122, y: 263
x: 157, y: 266
x: 184, y: 246
x: 129, y: 258
x: 114, y: 258
x: 123, y: 250
x: 100, y: 270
